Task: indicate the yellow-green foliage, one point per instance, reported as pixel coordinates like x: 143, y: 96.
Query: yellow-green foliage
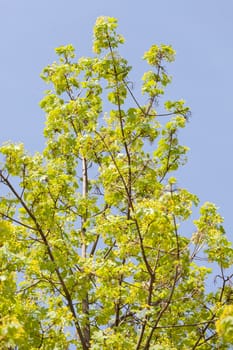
x: 94, y: 250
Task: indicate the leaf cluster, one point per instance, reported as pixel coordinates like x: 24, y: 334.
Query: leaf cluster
x: 94, y: 252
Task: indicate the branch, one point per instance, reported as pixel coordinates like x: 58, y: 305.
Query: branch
x: 147, y: 346
x: 92, y: 252
x: 17, y: 221
x: 50, y: 253
x: 130, y: 202
x: 182, y: 111
x: 168, y: 165
x: 197, y: 344
x: 186, y: 325
x: 149, y: 299
x: 129, y: 187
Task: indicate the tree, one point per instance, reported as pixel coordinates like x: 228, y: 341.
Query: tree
x: 94, y: 253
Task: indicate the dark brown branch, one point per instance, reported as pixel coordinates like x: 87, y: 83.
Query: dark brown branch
x: 213, y: 318
x: 176, y: 231
x: 168, y: 165
x: 85, y: 301
x: 50, y: 253
x: 93, y: 249
x: 17, y: 221
x: 183, y: 112
x: 202, y: 335
x: 109, y: 250
x: 130, y: 202
x: 186, y: 324
x: 129, y: 192
x: 164, y: 309
x: 118, y: 303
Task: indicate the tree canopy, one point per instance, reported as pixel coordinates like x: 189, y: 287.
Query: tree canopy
x: 95, y: 252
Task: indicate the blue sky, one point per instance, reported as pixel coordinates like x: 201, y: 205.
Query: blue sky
x: 200, y: 31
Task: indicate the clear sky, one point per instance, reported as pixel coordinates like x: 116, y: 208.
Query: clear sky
x: 201, y: 31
